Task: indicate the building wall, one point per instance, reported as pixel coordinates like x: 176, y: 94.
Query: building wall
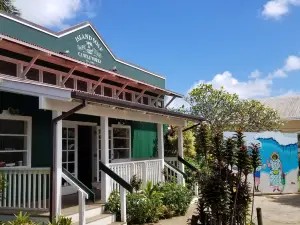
x: 278, y: 172
x: 143, y: 135
x: 41, y: 125
x: 73, y: 43
x: 291, y: 126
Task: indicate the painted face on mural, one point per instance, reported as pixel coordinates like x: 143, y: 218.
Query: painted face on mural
x: 275, y: 156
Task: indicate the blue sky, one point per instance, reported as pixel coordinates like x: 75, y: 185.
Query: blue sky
x: 216, y: 41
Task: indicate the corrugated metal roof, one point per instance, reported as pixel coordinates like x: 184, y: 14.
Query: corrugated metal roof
x: 287, y: 106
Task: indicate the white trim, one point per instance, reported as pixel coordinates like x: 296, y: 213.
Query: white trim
x: 28, y: 120
x: 112, y: 142
x: 33, y: 88
x: 79, y: 28
x: 78, y: 123
x: 66, y: 190
x: 103, y: 110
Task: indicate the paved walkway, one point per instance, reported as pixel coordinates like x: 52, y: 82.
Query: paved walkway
x: 276, y: 210
x: 279, y: 209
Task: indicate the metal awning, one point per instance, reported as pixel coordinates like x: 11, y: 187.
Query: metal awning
x: 93, y: 98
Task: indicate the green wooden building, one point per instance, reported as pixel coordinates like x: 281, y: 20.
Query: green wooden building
x: 76, y: 119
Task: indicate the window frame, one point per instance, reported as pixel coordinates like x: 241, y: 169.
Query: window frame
x: 129, y: 141
x: 27, y: 119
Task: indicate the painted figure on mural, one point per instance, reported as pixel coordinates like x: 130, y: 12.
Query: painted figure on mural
x: 276, y: 174
x: 257, y: 177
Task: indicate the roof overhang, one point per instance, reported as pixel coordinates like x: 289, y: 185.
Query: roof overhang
x: 132, y: 106
x: 21, y: 47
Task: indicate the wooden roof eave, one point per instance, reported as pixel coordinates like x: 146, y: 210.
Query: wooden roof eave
x: 30, y: 50
x: 77, y: 95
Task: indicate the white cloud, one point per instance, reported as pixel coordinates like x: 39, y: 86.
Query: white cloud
x: 275, y: 9
x: 255, y: 74
x: 55, y: 13
x: 245, y: 89
x: 291, y: 93
x: 279, y: 73
x: 292, y: 63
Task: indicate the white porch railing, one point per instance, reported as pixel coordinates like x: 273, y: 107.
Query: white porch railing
x: 148, y: 170
x: 170, y: 173
x: 26, y: 188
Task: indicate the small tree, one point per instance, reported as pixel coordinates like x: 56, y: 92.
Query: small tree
x: 224, y: 193
x: 8, y: 6
x: 227, y: 112
x: 255, y: 163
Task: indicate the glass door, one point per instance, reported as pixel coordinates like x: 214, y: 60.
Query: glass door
x: 99, y: 150
x: 69, y: 155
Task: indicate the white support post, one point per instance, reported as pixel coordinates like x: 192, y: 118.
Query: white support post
x: 180, y: 153
x: 104, y: 158
x: 144, y: 174
x: 160, y: 148
x: 123, y: 204
x: 58, y: 169
x: 81, y: 201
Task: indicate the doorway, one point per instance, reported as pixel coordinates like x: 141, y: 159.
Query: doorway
x: 85, y: 148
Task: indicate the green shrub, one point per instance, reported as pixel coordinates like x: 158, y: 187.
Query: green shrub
x: 113, y: 204
x: 136, y: 183
x: 152, y: 203
x: 21, y: 219
x: 141, y: 209
x: 62, y: 221
x: 176, y: 198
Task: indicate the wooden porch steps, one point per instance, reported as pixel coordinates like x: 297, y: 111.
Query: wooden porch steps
x: 94, y: 214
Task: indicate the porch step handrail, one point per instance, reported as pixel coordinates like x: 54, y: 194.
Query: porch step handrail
x: 123, y: 185
x: 175, y: 169
x: 116, y: 177
x: 187, y: 164
x: 78, y: 185
x: 83, y: 193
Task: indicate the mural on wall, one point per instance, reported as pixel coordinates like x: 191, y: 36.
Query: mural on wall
x: 278, y: 172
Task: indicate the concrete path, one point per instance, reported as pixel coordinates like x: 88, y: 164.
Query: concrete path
x: 276, y: 210
x: 279, y: 209
x: 181, y: 220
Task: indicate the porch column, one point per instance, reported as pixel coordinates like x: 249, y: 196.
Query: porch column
x: 180, y: 153
x: 160, y: 148
x: 58, y: 164
x: 104, y: 158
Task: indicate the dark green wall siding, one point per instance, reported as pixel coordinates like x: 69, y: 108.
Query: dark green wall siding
x: 41, y: 125
x: 143, y: 135
x: 68, y: 42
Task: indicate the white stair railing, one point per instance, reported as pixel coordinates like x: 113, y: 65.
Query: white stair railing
x: 82, y: 195
x: 25, y: 188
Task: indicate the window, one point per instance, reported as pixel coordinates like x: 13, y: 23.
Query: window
x: 121, y: 141
x: 32, y: 74
x: 107, y: 92
x: 145, y: 100
x: 49, y: 78
x: 8, y: 68
x: 69, y: 83
x: 81, y: 85
x: 128, y: 96
x: 15, y: 140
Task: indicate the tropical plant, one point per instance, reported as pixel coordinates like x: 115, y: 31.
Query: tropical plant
x: 176, y: 198
x: 113, y: 204
x: 171, y: 142
x: 136, y: 182
x: 8, y: 6
x: 21, y: 219
x: 255, y: 162
x: 223, y: 190
x: 227, y: 111
x: 61, y: 221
